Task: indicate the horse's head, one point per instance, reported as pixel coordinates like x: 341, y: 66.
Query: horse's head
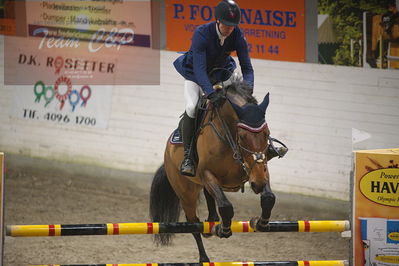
x: 252, y: 137
x: 253, y: 140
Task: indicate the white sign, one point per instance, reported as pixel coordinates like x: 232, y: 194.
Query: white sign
x: 63, y: 104
x: 380, y: 241
x: 89, y: 42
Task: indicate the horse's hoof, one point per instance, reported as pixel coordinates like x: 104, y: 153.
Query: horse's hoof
x: 259, y: 224
x: 213, y: 218
x: 204, y: 258
x: 253, y: 222
x: 221, y: 232
x: 207, y: 235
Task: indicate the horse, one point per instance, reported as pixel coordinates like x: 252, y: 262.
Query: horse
x: 378, y: 31
x: 232, y: 146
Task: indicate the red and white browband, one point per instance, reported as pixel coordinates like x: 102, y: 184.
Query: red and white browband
x: 252, y: 129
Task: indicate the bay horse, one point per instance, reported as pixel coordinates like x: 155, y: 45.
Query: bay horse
x: 377, y: 31
x: 232, y: 149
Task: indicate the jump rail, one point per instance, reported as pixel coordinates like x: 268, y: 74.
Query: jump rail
x: 392, y: 58
x: 253, y: 263
x: 161, y: 228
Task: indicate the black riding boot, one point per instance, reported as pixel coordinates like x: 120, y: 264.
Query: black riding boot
x: 187, y: 166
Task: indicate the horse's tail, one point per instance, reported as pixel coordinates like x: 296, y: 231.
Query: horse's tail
x: 164, y: 204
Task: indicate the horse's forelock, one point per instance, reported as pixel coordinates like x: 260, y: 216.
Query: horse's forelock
x: 251, y: 115
x: 240, y: 93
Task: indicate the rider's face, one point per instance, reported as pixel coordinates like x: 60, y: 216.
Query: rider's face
x: 224, y: 29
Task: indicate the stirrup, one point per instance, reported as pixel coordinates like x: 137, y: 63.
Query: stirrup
x: 277, y: 151
x: 187, y: 167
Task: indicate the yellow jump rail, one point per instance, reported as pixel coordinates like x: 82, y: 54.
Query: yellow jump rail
x: 162, y: 228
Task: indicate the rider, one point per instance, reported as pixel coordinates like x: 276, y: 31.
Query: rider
x: 211, y: 46
x: 391, y: 17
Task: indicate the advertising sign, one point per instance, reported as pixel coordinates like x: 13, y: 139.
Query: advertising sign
x: 273, y: 29
x: 80, y: 106
x: 7, y: 26
x: 7, y: 17
x: 376, y: 208
x: 84, y: 42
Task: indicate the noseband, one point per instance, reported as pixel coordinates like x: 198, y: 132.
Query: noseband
x: 258, y: 157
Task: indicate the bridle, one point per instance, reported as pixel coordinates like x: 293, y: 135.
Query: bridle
x: 237, y: 147
x: 258, y: 157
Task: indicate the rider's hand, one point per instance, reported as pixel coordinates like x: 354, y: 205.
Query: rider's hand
x: 216, y: 98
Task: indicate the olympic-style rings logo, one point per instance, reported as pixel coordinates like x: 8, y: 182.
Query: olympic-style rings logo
x: 73, y: 96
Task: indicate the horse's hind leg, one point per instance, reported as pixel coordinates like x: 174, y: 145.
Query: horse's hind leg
x: 191, y: 216
x: 201, y: 249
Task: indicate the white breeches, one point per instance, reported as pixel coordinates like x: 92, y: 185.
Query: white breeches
x: 192, y: 92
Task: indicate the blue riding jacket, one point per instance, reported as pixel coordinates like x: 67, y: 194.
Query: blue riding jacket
x: 206, y: 53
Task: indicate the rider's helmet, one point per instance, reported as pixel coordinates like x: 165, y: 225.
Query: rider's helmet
x: 228, y: 12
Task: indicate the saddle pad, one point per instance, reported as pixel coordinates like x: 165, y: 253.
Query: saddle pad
x: 176, y: 137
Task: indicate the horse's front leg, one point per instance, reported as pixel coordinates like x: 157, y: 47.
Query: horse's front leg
x: 211, y: 204
x: 212, y: 212
x: 267, y: 200
x: 225, y: 208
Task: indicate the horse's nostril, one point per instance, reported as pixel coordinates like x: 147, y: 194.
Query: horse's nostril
x: 257, y: 188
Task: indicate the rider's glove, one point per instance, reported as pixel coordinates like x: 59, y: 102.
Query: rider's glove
x: 216, y: 98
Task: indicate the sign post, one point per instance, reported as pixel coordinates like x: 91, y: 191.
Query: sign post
x: 1, y: 207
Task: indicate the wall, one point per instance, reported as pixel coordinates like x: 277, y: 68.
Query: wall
x: 313, y: 110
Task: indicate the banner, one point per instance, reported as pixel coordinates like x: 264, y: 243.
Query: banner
x: 86, y: 42
x: 7, y: 18
x: 273, y: 29
x: 81, y: 106
x: 7, y: 26
x: 376, y: 208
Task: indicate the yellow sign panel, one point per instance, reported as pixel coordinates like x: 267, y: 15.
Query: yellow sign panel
x: 376, y: 207
x: 381, y: 186
x: 388, y: 259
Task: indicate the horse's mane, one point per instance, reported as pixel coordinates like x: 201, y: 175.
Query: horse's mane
x: 239, y: 92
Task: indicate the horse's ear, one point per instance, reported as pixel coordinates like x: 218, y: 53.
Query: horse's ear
x: 238, y: 109
x: 265, y: 103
